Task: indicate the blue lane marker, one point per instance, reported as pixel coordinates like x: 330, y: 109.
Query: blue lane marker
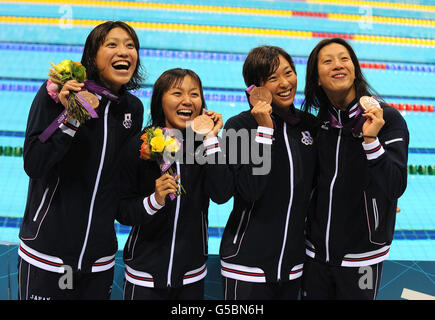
x: 201, y: 55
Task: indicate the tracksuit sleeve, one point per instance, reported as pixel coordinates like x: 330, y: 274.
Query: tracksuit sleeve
x: 137, y: 199
x: 251, y: 170
x: 388, y: 155
x: 219, y: 179
x: 40, y: 158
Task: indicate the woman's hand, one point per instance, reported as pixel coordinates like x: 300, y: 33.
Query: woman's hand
x: 218, y: 123
x: 373, y: 124
x: 165, y: 185
x: 71, y: 85
x: 261, y: 112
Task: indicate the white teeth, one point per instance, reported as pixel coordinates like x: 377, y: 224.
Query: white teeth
x: 285, y: 94
x: 187, y: 113
x: 121, y: 65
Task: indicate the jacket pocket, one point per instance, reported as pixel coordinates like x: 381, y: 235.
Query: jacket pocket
x: 204, y: 223
x: 236, y: 237
x: 376, y: 230
x: 131, y: 243
x: 235, y: 234
x: 41, y: 205
x: 38, y: 212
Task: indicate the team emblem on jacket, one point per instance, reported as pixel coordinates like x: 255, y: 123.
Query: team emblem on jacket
x: 127, y: 120
x: 306, y: 138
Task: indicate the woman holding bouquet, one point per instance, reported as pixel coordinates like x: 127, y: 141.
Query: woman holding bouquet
x: 68, y: 223
x: 166, y: 252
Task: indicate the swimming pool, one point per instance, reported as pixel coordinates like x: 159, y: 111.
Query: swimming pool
x: 396, y: 47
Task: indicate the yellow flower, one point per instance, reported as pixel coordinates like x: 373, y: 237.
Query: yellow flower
x: 64, y: 66
x: 171, y: 145
x: 158, y: 132
x: 157, y: 143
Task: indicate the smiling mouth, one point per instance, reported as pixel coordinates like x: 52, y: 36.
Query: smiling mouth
x: 184, y: 113
x: 285, y: 94
x: 339, y: 76
x: 121, y: 65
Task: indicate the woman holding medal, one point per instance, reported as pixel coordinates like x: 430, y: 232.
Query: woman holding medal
x: 68, y: 224
x: 262, y: 249
x: 363, y: 148
x: 166, y: 252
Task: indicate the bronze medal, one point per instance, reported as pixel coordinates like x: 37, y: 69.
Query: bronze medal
x: 90, y: 98
x: 202, y: 124
x: 367, y: 102
x: 260, y: 94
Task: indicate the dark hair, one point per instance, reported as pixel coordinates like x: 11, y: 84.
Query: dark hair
x: 94, y: 41
x: 261, y: 62
x: 167, y: 80
x: 314, y: 94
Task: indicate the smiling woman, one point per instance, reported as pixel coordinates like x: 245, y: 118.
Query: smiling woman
x: 116, y: 59
x: 362, y: 171
x: 182, y: 103
x: 111, y: 55
x: 336, y: 74
x: 166, y: 253
x: 73, y: 195
x: 265, y: 260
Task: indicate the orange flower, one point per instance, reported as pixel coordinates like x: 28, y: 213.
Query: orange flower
x: 144, y: 137
x: 145, y: 151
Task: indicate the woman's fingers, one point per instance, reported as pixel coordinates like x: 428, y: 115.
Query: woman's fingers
x: 375, y: 121
x: 165, y: 185
x: 71, y: 85
x: 218, y: 122
x: 261, y: 112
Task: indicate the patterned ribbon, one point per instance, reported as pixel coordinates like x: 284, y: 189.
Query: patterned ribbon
x: 355, y: 126
x: 91, y: 86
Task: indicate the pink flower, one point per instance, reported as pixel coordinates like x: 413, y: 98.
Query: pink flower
x: 52, y: 90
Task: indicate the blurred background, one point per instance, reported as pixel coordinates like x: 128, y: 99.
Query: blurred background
x: 393, y: 39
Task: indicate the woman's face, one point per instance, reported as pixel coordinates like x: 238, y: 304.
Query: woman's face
x: 336, y: 72
x: 182, y: 103
x: 282, y: 84
x: 116, y: 59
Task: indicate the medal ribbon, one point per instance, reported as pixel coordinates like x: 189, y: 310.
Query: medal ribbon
x: 86, y: 105
x: 355, y: 126
x: 164, y: 166
x: 91, y: 86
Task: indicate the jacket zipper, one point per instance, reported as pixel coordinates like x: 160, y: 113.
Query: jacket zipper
x: 290, y: 201
x: 94, y: 194
x: 41, y: 204
x: 331, y: 187
x: 177, y: 210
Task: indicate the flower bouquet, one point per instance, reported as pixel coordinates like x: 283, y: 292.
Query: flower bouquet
x: 157, y: 145
x: 81, y: 104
